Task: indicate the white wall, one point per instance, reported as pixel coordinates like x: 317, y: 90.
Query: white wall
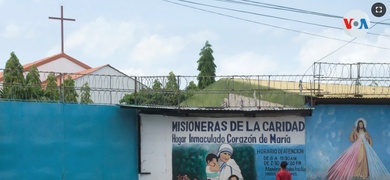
x: 157, y: 132
x: 61, y: 65
x: 156, y: 147
x: 108, y: 86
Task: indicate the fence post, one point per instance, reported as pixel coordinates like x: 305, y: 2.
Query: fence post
x: 110, y: 89
x: 178, y: 92
x: 61, y: 87
x: 135, y: 90
x: 319, y: 79
x: 357, y: 84
x: 259, y: 96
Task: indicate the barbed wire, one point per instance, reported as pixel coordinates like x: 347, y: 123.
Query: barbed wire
x: 367, y: 80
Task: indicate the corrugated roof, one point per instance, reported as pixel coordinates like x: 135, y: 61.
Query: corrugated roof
x: 350, y: 100
x: 84, y: 72
x: 219, y: 111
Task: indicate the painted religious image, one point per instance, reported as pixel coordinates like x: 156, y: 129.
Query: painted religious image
x: 225, y: 163
x: 228, y: 166
x: 359, y: 161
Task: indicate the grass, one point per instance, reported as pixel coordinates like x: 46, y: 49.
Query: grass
x: 214, y: 94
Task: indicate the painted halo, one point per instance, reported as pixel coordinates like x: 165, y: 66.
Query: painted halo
x: 364, y: 121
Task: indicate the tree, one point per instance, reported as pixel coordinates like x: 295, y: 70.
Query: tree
x: 85, y: 94
x: 206, y: 67
x: 70, y: 94
x: 156, y: 96
x: 33, y: 84
x: 189, y: 91
x: 172, y: 82
x: 51, y: 91
x: 157, y: 85
x: 171, y: 95
x: 167, y: 95
x: 192, y: 87
x: 13, y: 79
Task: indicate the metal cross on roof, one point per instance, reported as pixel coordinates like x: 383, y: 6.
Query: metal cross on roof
x: 62, y: 26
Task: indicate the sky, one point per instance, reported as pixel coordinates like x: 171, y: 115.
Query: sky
x: 155, y: 37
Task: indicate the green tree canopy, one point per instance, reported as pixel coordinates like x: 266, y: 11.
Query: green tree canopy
x: 70, y: 94
x: 157, y: 85
x: 171, y: 93
x: 190, y: 90
x: 192, y: 87
x: 206, y: 66
x: 51, y: 91
x: 85, y: 94
x: 172, y: 82
x: 13, y: 79
x: 33, y: 84
x: 168, y: 95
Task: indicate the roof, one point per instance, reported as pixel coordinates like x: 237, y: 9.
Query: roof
x: 49, y: 59
x: 349, y: 100
x: 41, y: 62
x: 87, y: 71
x: 77, y: 74
x: 219, y: 111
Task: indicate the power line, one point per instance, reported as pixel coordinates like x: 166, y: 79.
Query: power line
x: 275, y: 17
x: 259, y: 14
x: 278, y: 7
x: 269, y: 25
x: 286, y: 8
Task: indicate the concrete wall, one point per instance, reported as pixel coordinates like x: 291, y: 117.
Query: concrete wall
x: 173, y: 147
x: 67, y: 141
x: 72, y: 141
x: 325, y: 138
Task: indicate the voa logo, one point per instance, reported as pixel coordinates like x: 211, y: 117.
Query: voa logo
x: 356, y: 23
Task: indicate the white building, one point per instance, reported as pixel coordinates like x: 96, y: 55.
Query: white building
x: 108, y: 84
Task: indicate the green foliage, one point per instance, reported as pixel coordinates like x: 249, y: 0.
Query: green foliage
x: 189, y: 91
x: 70, y: 94
x: 51, y: 92
x: 33, y: 84
x: 244, y: 155
x: 85, y: 94
x: 190, y: 161
x: 172, y: 82
x: 13, y: 79
x: 157, y: 85
x: 172, y: 89
x: 192, y: 87
x: 141, y: 97
x: 168, y: 95
x: 206, y: 66
x: 128, y: 99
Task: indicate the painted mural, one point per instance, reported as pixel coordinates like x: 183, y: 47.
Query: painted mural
x: 247, y: 148
x: 349, y: 142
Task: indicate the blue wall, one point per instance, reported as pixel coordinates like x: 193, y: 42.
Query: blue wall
x: 72, y: 141
x: 67, y: 141
x: 328, y: 130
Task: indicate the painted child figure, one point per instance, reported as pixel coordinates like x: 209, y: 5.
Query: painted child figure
x: 228, y: 166
x: 212, y: 167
